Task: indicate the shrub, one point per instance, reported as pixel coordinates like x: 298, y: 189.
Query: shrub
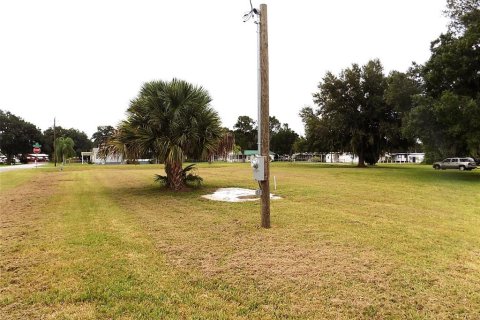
x: 189, y: 177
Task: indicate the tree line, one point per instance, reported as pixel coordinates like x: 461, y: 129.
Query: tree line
x: 282, y: 138
x: 435, y: 106
x: 17, y: 137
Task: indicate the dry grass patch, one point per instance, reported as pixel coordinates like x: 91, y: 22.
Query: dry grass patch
x: 333, y: 251
x: 21, y: 224
x: 387, y: 243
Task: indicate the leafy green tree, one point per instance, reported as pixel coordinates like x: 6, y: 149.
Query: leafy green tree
x: 245, y: 132
x: 460, y: 13
x: 352, y: 107
x: 445, y: 117
x: 82, y: 142
x: 321, y: 134
x: 362, y: 111
x: 455, y: 64
x: 17, y: 136
x: 173, y: 120
x: 300, y: 145
x: 282, y: 141
x: 399, y: 94
x: 102, y: 134
x: 64, y: 148
x: 274, y: 125
x: 448, y: 126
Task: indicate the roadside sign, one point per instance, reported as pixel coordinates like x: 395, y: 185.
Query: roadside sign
x: 36, y: 148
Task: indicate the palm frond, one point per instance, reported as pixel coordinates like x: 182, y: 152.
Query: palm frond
x: 193, y: 180
x: 163, y: 180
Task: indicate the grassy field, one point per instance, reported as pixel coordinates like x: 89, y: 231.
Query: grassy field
x: 105, y: 242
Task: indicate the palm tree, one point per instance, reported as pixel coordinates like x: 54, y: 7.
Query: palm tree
x: 171, y: 120
x: 64, y: 148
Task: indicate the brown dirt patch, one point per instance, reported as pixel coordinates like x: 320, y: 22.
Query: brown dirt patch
x: 20, y: 206
x: 20, y: 224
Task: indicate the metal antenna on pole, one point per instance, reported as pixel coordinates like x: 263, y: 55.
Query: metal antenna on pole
x: 255, y: 15
x: 261, y: 164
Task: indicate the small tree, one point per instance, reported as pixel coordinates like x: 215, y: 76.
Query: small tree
x: 64, y: 148
x: 245, y: 132
x: 282, y: 141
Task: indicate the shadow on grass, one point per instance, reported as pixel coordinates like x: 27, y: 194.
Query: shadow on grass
x: 317, y: 165
x: 420, y: 172
x: 162, y: 192
x: 470, y: 177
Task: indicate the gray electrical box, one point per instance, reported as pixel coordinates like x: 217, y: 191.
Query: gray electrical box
x: 258, y: 166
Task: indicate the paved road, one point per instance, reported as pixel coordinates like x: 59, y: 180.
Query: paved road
x: 19, y: 166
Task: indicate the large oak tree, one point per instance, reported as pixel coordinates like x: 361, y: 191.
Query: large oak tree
x: 352, y: 112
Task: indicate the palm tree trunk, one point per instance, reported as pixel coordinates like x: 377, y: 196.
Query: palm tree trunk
x: 175, y: 176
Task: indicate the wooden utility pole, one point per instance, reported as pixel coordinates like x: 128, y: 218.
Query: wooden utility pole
x: 264, y: 114
x: 54, y: 147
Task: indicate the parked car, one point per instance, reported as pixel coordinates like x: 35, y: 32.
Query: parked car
x: 455, y: 163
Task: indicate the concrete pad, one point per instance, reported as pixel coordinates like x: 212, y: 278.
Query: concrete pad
x: 235, y: 195
x: 20, y: 166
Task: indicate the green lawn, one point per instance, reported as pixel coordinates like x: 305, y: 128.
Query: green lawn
x: 104, y: 242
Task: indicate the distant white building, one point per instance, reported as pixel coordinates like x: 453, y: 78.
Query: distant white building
x: 346, y: 157
x: 331, y: 157
x: 337, y: 157
x: 94, y: 157
x: 403, y: 157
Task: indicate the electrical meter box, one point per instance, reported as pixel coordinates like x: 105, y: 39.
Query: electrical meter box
x: 258, y: 166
